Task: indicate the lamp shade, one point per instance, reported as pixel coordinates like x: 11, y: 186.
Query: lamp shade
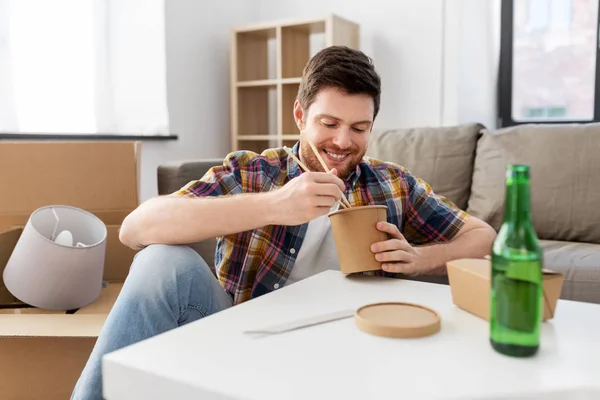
x: 58, y: 262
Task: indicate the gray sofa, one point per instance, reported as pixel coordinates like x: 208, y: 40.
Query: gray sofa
x: 467, y: 164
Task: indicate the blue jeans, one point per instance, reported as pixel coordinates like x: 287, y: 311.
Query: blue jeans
x: 167, y: 287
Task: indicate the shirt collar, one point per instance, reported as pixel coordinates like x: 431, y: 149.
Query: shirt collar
x: 293, y: 169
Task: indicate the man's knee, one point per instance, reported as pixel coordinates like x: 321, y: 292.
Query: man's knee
x: 161, y: 267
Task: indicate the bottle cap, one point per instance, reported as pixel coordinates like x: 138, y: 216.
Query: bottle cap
x: 397, y: 320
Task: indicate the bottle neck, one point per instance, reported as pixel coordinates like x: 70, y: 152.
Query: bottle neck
x: 517, y: 206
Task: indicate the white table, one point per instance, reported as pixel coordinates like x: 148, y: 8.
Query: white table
x: 213, y: 358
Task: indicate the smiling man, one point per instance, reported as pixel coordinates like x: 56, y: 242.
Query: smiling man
x: 271, y: 220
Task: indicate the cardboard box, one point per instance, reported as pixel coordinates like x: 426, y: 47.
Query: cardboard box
x: 44, y: 351
x: 470, y: 286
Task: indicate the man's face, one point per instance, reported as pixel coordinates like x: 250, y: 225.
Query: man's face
x: 339, y: 125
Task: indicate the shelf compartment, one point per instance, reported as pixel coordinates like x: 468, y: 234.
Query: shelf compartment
x: 298, y: 44
x: 256, y: 55
x: 267, y: 61
x: 289, y: 93
x: 257, y: 110
x: 257, y: 146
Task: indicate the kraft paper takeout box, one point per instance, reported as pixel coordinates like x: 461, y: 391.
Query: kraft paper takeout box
x: 43, y: 352
x: 470, y: 287
x: 354, y: 231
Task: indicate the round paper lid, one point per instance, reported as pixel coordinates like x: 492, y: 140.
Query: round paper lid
x: 397, y: 320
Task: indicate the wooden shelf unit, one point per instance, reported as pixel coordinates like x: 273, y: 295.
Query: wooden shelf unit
x: 266, y: 69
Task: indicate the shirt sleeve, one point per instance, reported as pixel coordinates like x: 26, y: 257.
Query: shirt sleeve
x: 429, y: 217
x: 227, y: 179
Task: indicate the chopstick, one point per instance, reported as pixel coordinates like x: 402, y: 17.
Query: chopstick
x: 295, y: 159
x: 303, y: 323
x: 314, y: 149
x: 301, y: 164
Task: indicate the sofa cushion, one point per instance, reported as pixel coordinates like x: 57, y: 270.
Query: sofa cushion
x: 565, y: 178
x: 174, y: 175
x: 441, y: 156
x: 580, y: 265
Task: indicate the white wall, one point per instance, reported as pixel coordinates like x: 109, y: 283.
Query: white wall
x: 404, y: 38
x: 197, y: 47
x: 436, y: 59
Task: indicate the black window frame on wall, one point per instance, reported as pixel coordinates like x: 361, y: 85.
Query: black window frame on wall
x: 505, y: 117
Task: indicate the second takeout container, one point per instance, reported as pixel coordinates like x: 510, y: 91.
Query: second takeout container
x: 470, y: 286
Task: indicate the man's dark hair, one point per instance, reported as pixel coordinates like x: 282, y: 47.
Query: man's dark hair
x: 343, y: 68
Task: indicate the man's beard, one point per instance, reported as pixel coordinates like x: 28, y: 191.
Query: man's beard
x: 343, y: 169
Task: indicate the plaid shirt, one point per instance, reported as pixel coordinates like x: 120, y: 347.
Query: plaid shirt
x: 250, y: 264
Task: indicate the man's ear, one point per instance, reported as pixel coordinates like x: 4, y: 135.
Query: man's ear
x: 298, y: 115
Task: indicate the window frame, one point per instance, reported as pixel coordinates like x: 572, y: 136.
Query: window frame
x: 505, y: 118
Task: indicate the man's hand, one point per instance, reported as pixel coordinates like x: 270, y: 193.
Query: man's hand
x: 473, y: 240
x: 307, y: 197
x: 396, y: 254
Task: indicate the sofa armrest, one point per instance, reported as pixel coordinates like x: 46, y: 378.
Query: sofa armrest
x: 174, y: 175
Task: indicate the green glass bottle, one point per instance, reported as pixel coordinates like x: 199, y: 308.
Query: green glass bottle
x: 516, y: 303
